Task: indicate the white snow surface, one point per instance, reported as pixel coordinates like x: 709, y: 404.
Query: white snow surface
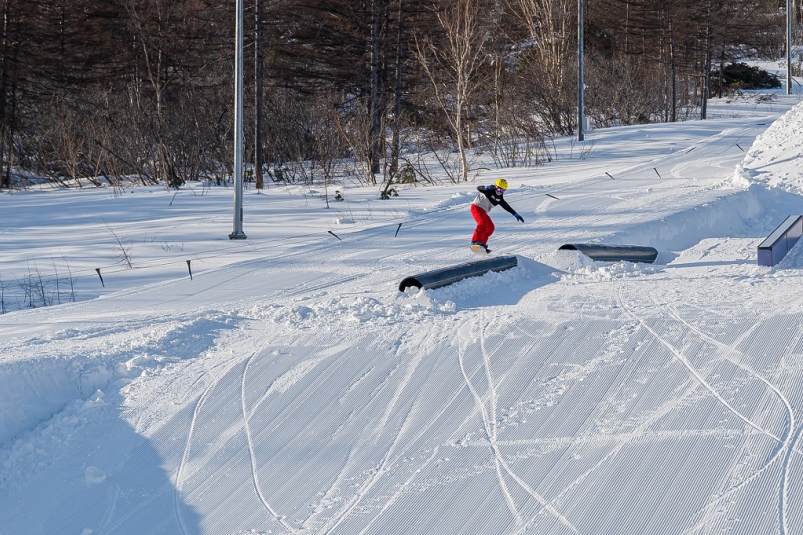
x: 287, y: 386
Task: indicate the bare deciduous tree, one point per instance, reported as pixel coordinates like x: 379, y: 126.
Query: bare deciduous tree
x: 454, y: 66
x: 550, y: 58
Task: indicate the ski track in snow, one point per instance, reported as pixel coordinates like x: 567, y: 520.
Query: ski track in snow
x: 252, y: 454
x: 423, y: 430
x: 791, y: 434
x: 698, y: 375
x: 489, y: 426
x: 185, y: 456
x: 489, y: 423
x: 784, y: 442
x: 387, y: 460
x: 621, y: 440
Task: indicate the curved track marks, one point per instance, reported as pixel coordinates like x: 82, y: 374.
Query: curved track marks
x: 180, y: 476
x: 252, y: 454
x: 486, y: 406
x: 730, y: 353
x: 792, y: 432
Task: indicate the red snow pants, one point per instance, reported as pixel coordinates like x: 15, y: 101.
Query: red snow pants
x: 485, y: 227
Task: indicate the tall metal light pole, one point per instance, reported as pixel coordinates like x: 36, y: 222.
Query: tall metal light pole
x: 580, y: 82
x: 237, y: 233
x: 789, y: 47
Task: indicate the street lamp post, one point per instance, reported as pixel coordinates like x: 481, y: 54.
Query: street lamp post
x: 580, y: 82
x: 789, y: 47
x: 237, y: 233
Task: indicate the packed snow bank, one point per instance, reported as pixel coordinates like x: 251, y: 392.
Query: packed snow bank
x: 36, y: 389
x: 769, y: 185
x: 776, y: 157
x: 751, y: 213
x: 47, y: 379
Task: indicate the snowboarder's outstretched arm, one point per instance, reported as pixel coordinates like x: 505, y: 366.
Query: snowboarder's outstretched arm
x: 503, y: 203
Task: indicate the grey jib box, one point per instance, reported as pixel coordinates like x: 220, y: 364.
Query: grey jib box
x: 774, y: 248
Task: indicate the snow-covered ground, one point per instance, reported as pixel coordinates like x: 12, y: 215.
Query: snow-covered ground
x: 287, y: 386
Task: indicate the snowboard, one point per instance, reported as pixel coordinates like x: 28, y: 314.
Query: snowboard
x: 479, y: 249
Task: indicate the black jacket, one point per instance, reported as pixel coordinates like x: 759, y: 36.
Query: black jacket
x: 488, y: 198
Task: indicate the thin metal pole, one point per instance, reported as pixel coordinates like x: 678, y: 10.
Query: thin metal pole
x: 580, y: 82
x: 788, y: 47
x: 237, y: 233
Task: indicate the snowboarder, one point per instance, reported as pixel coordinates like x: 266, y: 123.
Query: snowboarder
x: 488, y: 197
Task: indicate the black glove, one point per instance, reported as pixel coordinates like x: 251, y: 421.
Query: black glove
x: 517, y: 216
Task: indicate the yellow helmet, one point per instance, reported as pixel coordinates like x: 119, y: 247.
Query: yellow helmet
x: 501, y: 183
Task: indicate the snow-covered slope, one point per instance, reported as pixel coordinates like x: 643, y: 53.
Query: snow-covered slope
x: 288, y: 387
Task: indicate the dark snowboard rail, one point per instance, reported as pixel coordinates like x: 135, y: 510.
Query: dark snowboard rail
x: 613, y: 253
x: 452, y: 274
x: 774, y: 248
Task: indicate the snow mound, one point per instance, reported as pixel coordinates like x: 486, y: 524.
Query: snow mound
x: 776, y: 157
x: 575, y: 264
x: 794, y: 258
x: 456, y: 199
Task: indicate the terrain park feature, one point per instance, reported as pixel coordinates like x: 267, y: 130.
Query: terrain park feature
x: 774, y: 248
x: 613, y: 253
x: 452, y: 274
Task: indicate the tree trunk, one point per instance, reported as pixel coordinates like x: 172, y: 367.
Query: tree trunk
x: 706, y: 92
x: 6, y: 183
x: 395, y: 148
x: 377, y: 11
x: 258, y: 149
x: 8, y: 123
x: 673, y: 107
x: 12, y: 117
x: 375, y: 107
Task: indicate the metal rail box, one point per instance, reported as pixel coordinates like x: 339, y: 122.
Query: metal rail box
x: 774, y: 248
